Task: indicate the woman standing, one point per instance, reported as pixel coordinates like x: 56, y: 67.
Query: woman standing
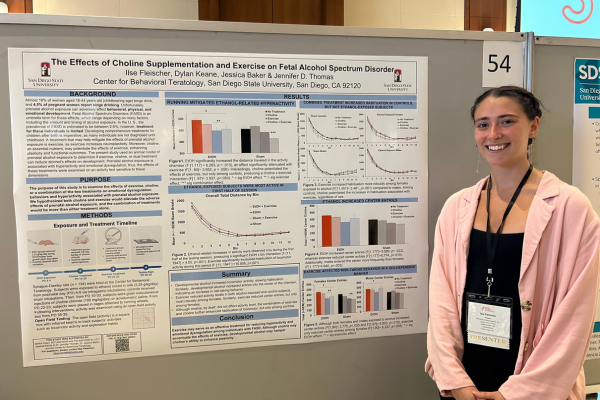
x: 514, y: 276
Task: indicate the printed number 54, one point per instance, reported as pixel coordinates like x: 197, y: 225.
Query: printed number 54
x: 505, y: 64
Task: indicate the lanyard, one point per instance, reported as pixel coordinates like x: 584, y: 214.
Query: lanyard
x: 491, y: 247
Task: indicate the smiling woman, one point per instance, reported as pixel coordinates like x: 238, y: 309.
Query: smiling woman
x: 514, y: 274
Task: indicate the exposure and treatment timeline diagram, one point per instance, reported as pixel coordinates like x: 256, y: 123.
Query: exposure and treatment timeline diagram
x: 181, y: 202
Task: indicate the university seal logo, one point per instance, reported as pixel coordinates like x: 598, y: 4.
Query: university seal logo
x: 45, y: 69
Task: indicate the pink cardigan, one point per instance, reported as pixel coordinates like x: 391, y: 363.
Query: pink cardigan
x: 559, y: 276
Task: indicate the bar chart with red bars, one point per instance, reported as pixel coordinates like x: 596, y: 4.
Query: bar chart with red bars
x: 378, y: 300
x: 332, y: 304
x: 335, y: 233
x: 208, y: 140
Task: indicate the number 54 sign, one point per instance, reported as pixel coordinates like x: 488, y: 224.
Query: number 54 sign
x: 503, y: 63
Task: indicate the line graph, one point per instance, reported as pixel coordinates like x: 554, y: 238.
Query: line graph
x: 228, y: 233
x: 386, y: 136
x: 389, y: 171
x: 324, y: 172
x: 328, y: 138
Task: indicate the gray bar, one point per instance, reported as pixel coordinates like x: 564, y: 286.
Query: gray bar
x: 227, y: 141
x: 274, y: 145
x: 255, y: 139
x: 400, y: 234
x: 345, y: 305
x: 381, y: 232
x: 354, y: 231
x: 391, y: 233
x: 353, y: 305
x: 393, y: 300
x: 265, y: 143
x: 349, y: 303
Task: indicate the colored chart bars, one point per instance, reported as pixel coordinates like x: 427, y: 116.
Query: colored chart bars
x: 205, y: 140
x: 335, y: 233
x: 378, y: 300
x: 382, y: 232
x: 330, y: 304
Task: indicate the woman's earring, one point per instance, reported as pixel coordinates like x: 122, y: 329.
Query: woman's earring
x: 530, y: 149
x: 478, y: 160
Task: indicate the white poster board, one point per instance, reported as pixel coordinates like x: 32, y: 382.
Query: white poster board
x: 179, y: 202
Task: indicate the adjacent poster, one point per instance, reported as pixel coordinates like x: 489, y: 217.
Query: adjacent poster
x: 182, y: 202
x: 586, y: 150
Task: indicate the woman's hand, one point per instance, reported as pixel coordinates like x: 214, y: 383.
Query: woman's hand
x: 465, y: 393
x: 488, y: 395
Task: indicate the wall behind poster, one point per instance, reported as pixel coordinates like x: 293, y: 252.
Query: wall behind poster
x: 390, y: 367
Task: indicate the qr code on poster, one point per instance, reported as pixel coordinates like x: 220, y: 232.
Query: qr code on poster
x: 122, y: 345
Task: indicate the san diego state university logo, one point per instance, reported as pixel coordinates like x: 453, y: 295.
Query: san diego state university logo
x: 580, y: 16
x: 45, y: 69
x: 397, y: 75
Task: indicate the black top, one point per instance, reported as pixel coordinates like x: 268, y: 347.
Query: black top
x: 489, y: 367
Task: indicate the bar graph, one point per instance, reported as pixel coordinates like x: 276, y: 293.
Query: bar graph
x: 330, y: 303
x: 208, y: 138
x: 383, y: 232
x: 338, y: 233
x: 376, y: 299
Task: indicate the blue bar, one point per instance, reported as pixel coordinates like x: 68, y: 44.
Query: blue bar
x: 345, y: 233
x: 90, y: 215
x: 377, y: 301
x: 594, y: 113
x: 231, y: 103
x: 101, y: 179
x: 217, y: 142
x: 286, y: 96
x: 362, y: 201
x: 232, y: 274
x: 232, y: 318
x: 246, y: 187
x: 328, y: 306
x: 87, y: 93
x: 359, y: 271
x: 596, y: 327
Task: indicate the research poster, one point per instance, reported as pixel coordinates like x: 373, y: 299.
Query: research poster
x: 586, y: 150
x: 180, y: 202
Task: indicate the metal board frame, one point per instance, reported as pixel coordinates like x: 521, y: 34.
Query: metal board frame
x: 381, y: 368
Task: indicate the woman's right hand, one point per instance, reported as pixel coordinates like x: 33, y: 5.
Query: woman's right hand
x: 465, y: 393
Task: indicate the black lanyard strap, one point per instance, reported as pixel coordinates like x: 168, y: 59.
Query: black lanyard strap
x: 491, y: 247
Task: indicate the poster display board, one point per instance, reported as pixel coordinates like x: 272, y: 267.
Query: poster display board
x: 586, y: 150
x: 179, y: 202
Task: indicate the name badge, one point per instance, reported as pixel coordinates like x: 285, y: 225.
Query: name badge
x: 489, y: 320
